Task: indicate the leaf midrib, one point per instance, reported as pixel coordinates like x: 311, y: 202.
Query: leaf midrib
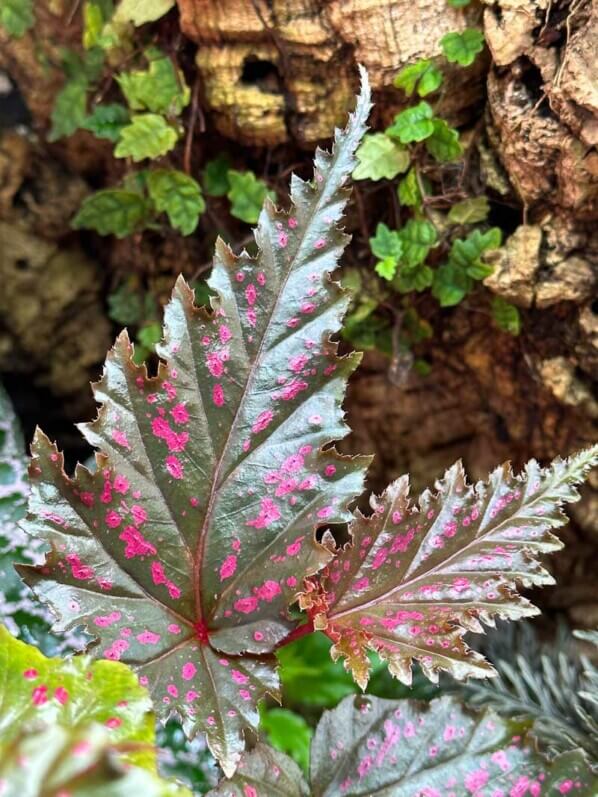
x: 445, y: 562
x: 200, y: 550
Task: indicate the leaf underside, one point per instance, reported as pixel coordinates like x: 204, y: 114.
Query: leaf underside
x: 416, y: 578
x: 182, y: 552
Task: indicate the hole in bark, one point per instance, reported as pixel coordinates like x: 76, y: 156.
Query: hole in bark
x: 263, y: 74
x: 22, y: 264
x: 594, y: 306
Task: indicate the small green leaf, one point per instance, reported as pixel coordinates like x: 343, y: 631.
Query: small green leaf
x: 506, y: 315
x: 386, y: 268
x: 125, y: 305
x: 215, y: 176
x: 413, y: 279
x: 422, y: 367
x: 466, y: 252
x: 417, y: 237
x: 470, y: 211
x: 70, y: 109
x: 289, y: 733
x: 141, y: 11
x: 380, y: 158
x: 462, y: 48
x: 177, y: 195
x: 112, y: 212
x: 413, y: 124
x: 451, y: 285
x: 386, y: 243
x: 247, y: 194
x: 16, y: 16
x: 422, y: 76
x: 160, y: 88
x: 87, y: 66
x: 107, y: 121
x: 408, y: 191
x: 444, y: 144
x: 150, y: 335
x: 148, y: 136
x: 308, y: 675
x: 93, y: 22
x: 458, y: 3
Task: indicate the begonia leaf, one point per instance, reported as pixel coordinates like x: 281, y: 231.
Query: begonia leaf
x: 370, y: 746
x: 416, y: 577
x: 183, y: 550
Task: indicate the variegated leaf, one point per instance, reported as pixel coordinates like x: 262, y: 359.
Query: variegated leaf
x: 37, y: 691
x: 182, y: 552
x: 81, y: 762
x: 368, y: 746
x: 416, y: 578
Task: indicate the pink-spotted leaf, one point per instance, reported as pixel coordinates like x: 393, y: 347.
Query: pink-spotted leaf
x: 80, y: 762
x: 264, y: 772
x: 415, y: 578
x: 72, y: 726
x: 183, y: 551
x: 368, y: 746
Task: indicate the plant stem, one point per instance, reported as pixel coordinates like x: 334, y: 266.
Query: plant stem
x: 297, y: 633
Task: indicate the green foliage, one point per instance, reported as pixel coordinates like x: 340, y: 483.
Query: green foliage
x: 458, y: 3
x: 466, y: 253
x: 462, y: 48
x: 70, y: 106
x: 215, y: 176
x: 450, y: 285
x: 106, y: 121
x: 416, y: 279
x: 548, y: 683
x: 147, y: 136
x: 470, y: 211
x: 422, y: 76
x: 413, y: 124
x: 247, y: 194
x: 288, y: 732
x: 113, y: 211
x: 160, y: 89
x: 409, y: 192
x: 455, y: 279
x: 179, y: 196
x: 74, y: 711
x: 70, y: 109
x: 443, y: 144
x: 506, y: 315
x: 95, y: 16
x: 418, y: 237
x: 308, y: 675
x: 140, y: 12
x: 16, y: 16
x: 380, y: 158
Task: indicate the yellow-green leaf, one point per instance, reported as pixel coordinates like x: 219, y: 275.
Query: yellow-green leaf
x: 147, y: 136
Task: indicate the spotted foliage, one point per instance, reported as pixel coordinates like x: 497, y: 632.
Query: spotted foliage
x: 369, y: 746
x: 416, y: 578
x: 183, y: 550
x: 74, y: 727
